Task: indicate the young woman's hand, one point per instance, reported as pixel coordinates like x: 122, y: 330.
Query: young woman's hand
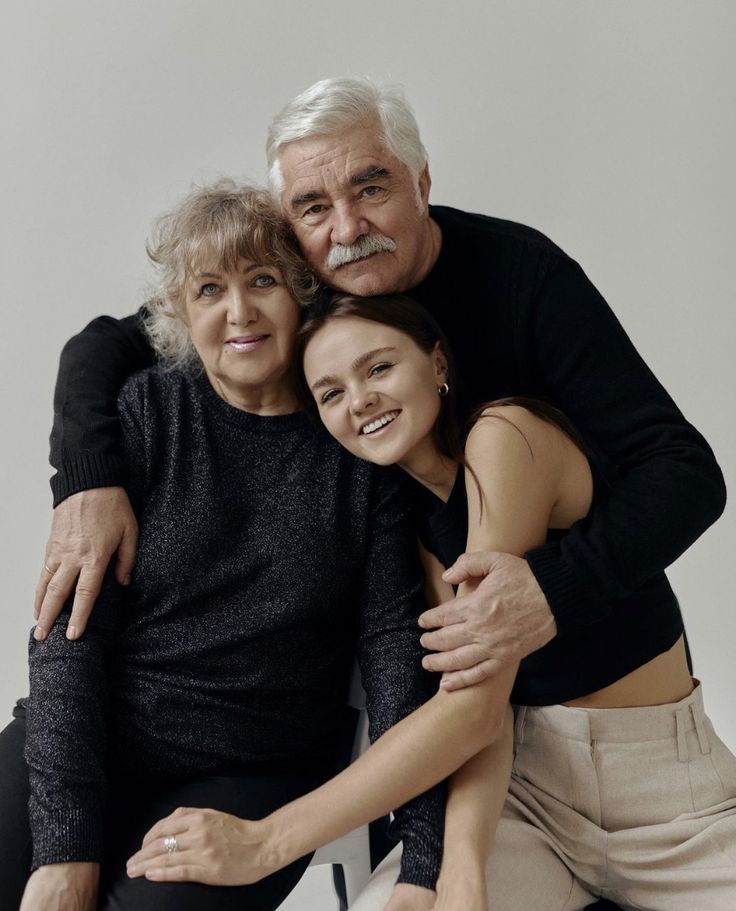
x: 462, y: 887
x: 209, y: 847
x: 62, y: 887
x: 406, y: 897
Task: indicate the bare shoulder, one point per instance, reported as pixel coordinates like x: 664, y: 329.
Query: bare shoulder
x: 513, y: 433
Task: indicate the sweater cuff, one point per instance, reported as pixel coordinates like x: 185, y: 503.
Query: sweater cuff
x: 421, y: 859
x: 573, y: 605
x: 87, y: 470
x: 68, y: 836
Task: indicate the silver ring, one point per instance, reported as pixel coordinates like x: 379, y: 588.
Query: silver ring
x: 49, y: 571
x: 171, y: 844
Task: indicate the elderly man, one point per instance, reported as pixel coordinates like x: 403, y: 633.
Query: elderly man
x: 349, y: 169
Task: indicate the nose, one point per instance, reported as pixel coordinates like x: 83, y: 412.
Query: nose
x: 241, y: 309
x: 348, y: 224
x: 362, y: 400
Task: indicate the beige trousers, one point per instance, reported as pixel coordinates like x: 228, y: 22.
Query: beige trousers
x: 637, y: 805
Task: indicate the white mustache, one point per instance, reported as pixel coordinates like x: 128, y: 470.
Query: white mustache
x: 365, y: 245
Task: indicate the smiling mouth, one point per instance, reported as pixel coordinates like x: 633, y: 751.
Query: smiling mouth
x: 246, y: 342
x: 379, y: 423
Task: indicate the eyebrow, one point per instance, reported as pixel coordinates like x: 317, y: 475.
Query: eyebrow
x: 251, y: 267
x: 359, y: 361
x: 356, y: 180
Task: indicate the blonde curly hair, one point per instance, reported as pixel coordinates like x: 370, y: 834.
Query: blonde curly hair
x: 213, y: 227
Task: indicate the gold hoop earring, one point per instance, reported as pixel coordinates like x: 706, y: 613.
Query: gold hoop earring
x: 443, y: 390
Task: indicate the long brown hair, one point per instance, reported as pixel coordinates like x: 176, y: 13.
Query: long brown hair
x: 406, y: 315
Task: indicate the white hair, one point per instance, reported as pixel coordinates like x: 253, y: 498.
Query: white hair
x: 333, y: 105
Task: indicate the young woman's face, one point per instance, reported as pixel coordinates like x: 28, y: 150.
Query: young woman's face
x: 376, y: 390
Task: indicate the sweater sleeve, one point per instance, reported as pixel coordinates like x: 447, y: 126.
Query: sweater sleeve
x: 68, y: 710
x: 668, y: 486
x: 390, y: 655
x: 85, y: 439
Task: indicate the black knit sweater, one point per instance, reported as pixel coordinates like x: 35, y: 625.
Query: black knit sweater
x: 266, y: 553
x: 522, y: 319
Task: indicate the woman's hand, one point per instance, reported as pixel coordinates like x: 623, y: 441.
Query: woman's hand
x: 406, y: 897
x: 62, y: 887
x: 211, y: 847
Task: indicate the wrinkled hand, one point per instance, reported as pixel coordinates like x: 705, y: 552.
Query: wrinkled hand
x: 212, y: 847
x: 87, y: 529
x: 406, y: 897
x: 62, y: 887
x: 504, y: 618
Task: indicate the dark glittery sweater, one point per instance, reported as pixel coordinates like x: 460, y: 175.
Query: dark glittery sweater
x: 522, y: 319
x: 267, y: 554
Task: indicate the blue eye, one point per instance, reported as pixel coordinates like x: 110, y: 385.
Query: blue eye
x: 371, y: 191
x: 264, y: 281
x: 378, y: 369
x: 209, y: 290
x: 328, y: 396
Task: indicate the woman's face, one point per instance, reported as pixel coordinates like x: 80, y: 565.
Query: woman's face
x: 376, y: 389
x: 243, y: 324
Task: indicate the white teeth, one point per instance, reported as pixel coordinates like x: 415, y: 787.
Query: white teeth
x: 381, y: 422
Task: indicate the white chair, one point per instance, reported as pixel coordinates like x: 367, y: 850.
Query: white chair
x: 351, y: 852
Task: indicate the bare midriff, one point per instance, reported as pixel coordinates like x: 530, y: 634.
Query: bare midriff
x: 662, y: 680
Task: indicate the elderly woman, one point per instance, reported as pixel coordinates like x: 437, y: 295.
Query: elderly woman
x: 218, y: 678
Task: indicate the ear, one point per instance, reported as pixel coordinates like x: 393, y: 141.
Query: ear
x: 441, y: 367
x: 425, y: 182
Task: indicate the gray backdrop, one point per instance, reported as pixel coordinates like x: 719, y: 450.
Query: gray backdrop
x: 607, y: 125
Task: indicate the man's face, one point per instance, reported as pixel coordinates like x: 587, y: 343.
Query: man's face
x: 359, y: 214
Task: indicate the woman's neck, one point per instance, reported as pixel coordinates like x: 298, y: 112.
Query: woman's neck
x: 432, y: 469
x: 264, y: 401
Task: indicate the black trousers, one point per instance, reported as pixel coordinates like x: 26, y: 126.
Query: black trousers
x: 132, y: 811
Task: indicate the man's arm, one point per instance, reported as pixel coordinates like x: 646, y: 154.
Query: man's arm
x: 669, y: 487
x: 92, y: 517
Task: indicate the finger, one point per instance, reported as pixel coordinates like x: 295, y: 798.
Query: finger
x: 156, y: 851
x: 127, y: 553
x: 459, y: 659
x: 443, y: 615
x: 448, y: 637
x: 470, y: 566
x: 88, y: 588
x: 47, y: 573
x: 182, y: 873
x: 57, y: 591
x: 173, y: 824
x: 457, y: 680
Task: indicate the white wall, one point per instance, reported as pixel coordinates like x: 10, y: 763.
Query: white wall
x: 607, y: 125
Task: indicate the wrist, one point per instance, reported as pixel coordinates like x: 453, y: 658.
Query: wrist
x: 283, y: 839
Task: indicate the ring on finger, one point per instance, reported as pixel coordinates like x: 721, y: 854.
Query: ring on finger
x: 49, y: 571
x: 171, y: 844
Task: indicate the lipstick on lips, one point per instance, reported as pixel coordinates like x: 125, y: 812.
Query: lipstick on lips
x: 245, y: 343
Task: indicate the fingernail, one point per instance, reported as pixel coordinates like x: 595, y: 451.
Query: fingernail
x: 444, y: 685
x: 126, y: 579
x: 421, y: 622
x: 71, y: 632
x: 39, y: 634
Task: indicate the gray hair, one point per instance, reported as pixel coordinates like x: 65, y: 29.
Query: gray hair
x: 333, y: 105
x: 212, y: 228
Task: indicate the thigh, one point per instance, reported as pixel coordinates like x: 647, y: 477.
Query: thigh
x: 133, y: 813
x: 524, y: 871
x: 15, y: 833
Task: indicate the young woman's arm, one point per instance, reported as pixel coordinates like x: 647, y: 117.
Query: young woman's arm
x: 514, y: 476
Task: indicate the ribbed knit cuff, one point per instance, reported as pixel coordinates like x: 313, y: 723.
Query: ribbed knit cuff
x: 421, y: 859
x: 572, y: 605
x: 67, y: 836
x: 87, y: 470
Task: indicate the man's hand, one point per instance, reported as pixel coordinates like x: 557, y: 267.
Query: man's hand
x: 87, y: 529
x: 406, y: 897
x: 62, y: 887
x: 504, y: 618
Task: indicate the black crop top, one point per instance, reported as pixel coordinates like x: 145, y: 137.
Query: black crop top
x: 637, y: 628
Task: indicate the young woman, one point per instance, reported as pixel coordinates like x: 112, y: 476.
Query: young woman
x: 620, y: 788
